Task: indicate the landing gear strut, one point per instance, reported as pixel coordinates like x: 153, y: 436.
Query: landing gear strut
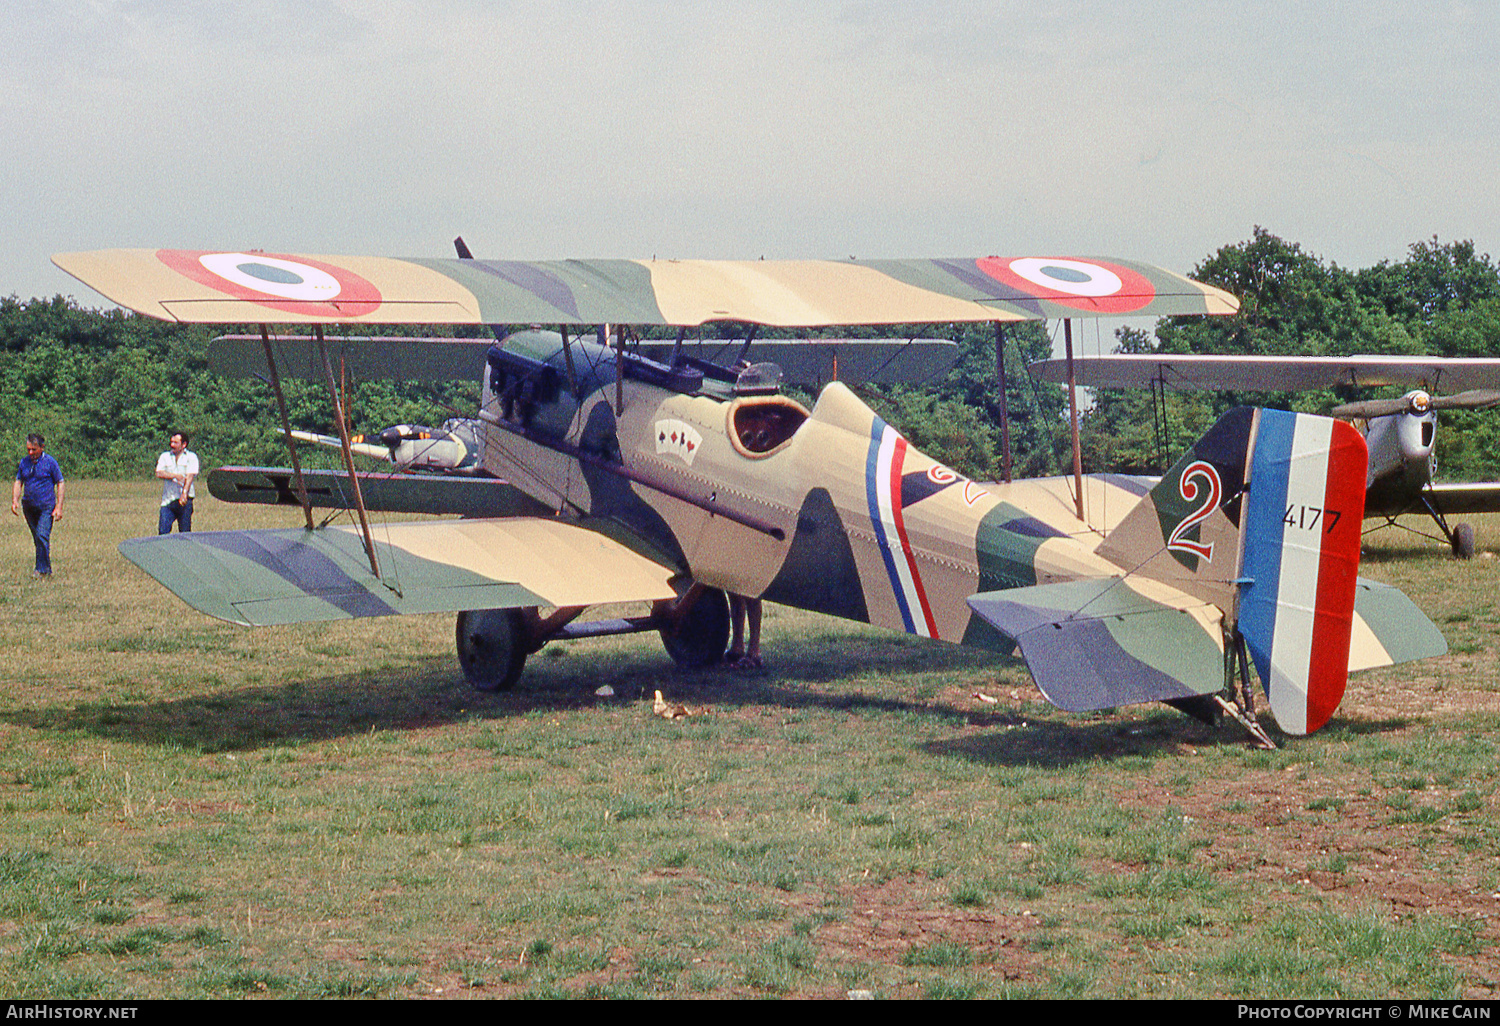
x: 493, y: 643
x: 1241, y: 701
x: 1460, y: 536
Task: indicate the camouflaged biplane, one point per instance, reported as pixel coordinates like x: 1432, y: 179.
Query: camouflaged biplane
x: 611, y: 476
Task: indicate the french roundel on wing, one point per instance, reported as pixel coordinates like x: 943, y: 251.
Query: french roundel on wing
x: 1091, y: 285
x: 286, y: 283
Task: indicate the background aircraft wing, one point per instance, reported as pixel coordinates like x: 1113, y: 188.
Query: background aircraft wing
x: 1454, y: 499
x: 367, y: 359
x: 883, y: 361
x: 257, y: 578
x: 255, y: 286
x: 1271, y: 373
x: 390, y: 493
x: 816, y: 361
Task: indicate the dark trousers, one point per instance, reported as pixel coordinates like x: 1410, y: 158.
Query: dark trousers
x: 178, y: 511
x: 40, y: 522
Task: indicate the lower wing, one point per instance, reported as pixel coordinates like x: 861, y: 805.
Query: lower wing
x: 259, y: 578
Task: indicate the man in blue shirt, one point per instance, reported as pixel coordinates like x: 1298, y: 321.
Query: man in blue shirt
x: 38, y: 493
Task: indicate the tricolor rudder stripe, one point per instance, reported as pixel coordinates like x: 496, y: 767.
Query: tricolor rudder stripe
x: 1302, y: 534
x: 883, y: 465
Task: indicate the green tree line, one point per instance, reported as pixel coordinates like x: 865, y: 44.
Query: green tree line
x: 108, y: 387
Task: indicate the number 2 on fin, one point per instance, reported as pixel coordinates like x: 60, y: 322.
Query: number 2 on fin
x: 1211, y: 491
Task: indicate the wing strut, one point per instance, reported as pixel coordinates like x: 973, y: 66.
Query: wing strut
x: 619, y: 364
x: 1004, y: 408
x: 1073, y: 418
x: 286, y: 426
x: 568, y: 357
x: 338, y: 418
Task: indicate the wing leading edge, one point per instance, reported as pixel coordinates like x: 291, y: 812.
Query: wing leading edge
x: 260, y: 578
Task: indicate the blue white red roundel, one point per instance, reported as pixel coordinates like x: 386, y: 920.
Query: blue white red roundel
x: 285, y: 283
x: 1091, y: 285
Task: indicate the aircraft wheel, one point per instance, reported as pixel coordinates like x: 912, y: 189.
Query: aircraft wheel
x: 1463, y: 541
x: 492, y: 647
x: 703, y: 633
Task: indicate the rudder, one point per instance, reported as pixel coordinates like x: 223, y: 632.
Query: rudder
x: 1303, y: 513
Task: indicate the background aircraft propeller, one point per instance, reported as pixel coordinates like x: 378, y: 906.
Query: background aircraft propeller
x: 1419, y: 403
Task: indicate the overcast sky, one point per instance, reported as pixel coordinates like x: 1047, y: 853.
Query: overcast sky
x: 1152, y: 130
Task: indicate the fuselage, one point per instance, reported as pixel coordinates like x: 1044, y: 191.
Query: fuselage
x: 746, y: 490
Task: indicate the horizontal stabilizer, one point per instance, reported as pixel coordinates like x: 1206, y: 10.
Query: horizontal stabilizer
x: 258, y: 578
x: 364, y: 359
x: 1096, y: 644
x: 1389, y: 628
x: 389, y: 493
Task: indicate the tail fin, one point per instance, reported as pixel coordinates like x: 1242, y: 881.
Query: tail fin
x: 1186, y: 531
x: 1262, y: 518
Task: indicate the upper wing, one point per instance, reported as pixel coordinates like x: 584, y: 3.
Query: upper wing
x: 258, y: 578
x: 249, y: 287
x: 1271, y: 373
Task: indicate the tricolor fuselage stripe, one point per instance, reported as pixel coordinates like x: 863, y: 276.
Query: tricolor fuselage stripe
x: 883, y: 492
x: 877, y: 522
x: 898, y: 515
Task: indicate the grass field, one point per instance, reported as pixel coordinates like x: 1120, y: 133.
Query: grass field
x: 192, y: 809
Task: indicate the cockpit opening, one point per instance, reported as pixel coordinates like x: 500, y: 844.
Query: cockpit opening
x: 761, y: 425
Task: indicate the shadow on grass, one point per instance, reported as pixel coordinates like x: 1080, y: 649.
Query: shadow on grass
x: 1055, y: 744
x: 1418, y: 548
x: 830, y: 674
x: 431, y: 692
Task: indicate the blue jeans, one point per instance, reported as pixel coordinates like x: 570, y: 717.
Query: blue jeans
x: 178, y: 511
x: 40, y: 522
